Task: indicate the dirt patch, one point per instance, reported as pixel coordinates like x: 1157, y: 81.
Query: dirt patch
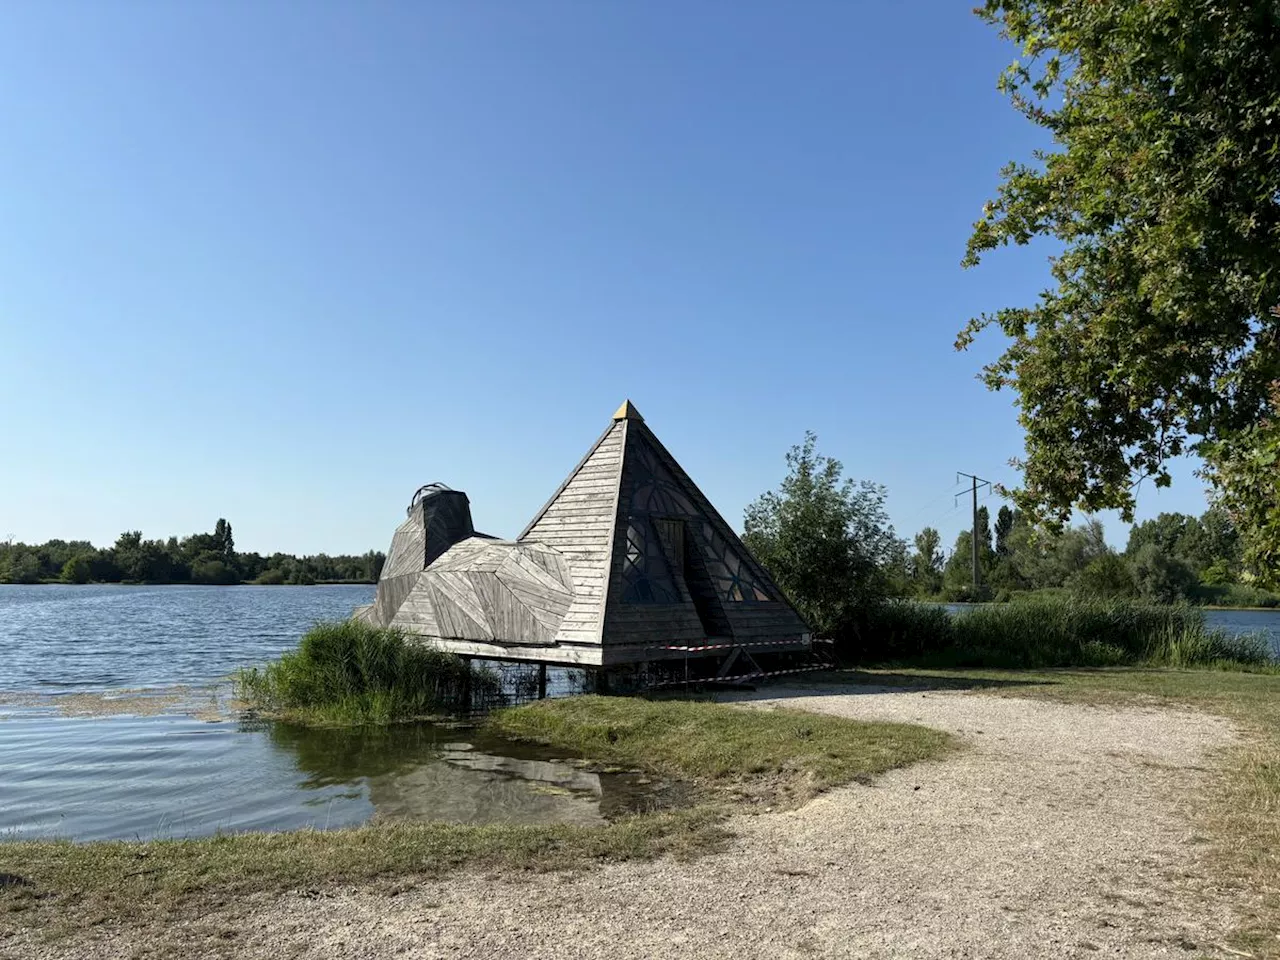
x: 1059, y: 833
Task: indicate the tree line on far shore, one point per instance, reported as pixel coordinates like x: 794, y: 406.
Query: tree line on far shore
x: 206, y: 558
x: 1171, y: 558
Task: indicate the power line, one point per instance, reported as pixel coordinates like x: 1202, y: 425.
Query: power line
x: 935, y: 500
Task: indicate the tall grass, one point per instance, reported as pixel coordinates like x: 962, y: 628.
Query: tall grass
x: 1052, y: 632
x: 350, y: 672
x: 1235, y: 595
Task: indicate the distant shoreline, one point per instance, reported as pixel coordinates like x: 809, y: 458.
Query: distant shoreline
x: 188, y: 583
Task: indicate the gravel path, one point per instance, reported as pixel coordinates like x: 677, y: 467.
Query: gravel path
x: 1058, y: 833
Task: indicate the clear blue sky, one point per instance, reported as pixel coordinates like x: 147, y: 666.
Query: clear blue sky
x: 284, y: 262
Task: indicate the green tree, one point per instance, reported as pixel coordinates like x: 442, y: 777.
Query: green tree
x: 226, y: 544
x: 1160, y: 577
x: 24, y: 567
x: 1045, y: 559
x: 79, y: 569
x: 957, y: 574
x: 1176, y: 534
x: 144, y: 561
x: 211, y: 569
x: 1004, y: 526
x: 1245, y: 472
x: 1219, y: 542
x: 984, y: 533
x: 824, y: 538
x: 1161, y: 333
x: 926, y: 562
x: 1106, y: 575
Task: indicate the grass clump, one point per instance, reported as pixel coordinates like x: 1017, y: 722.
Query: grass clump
x: 350, y: 672
x: 788, y: 753
x: 1043, y: 632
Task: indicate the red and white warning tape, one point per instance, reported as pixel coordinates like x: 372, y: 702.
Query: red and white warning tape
x: 759, y: 675
x: 731, y: 646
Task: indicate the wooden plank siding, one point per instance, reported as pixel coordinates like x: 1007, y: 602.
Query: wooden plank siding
x: 578, y: 524
x: 408, y: 550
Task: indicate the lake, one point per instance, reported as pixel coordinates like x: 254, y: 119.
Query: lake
x: 160, y: 756
x: 166, y: 759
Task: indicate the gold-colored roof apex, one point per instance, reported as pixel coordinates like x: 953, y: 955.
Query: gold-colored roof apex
x: 628, y: 411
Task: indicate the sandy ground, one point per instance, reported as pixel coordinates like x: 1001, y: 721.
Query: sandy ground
x: 1062, y: 831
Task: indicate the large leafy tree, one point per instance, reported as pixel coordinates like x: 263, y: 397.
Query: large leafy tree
x: 1161, y: 334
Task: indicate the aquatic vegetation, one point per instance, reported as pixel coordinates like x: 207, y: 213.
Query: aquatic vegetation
x: 351, y: 672
x: 1048, y: 631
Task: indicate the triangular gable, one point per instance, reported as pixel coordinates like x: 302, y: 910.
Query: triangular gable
x: 578, y: 522
x: 673, y: 549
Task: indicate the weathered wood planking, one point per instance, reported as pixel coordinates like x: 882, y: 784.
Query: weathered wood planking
x: 584, y: 538
x: 408, y: 550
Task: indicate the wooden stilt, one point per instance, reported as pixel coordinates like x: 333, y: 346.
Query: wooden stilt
x: 542, y: 681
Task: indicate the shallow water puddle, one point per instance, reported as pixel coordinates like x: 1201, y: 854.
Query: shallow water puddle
x: 127, y: 776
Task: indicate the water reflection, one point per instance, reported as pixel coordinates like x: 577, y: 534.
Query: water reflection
x: 334, y: 755
x: 426, y: 771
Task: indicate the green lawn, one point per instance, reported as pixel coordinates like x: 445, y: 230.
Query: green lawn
x: 794, y: 753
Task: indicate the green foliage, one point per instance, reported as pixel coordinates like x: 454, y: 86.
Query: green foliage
x: 1235, y: 595
x: 209, y: 558
x: 1161, y: 578
x: 79, y: 569
x: 1245, y: 471
x: 1107, y: 576
x: 1004, y: 526
x: 926, y: 563
x: 1160, y: 563
x: 826, y: 540
x: 352, y: 672
x: 1054, y: 632
x: 212, y: 569
x: 23, y: 567
x: 1162, y: 333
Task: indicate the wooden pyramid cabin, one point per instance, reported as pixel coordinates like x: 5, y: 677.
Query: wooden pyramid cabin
x: 627, y: 563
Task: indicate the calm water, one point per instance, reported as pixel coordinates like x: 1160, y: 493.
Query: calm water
x: 56, y: 638
x: 1266, y: 622
x: 175, y: 774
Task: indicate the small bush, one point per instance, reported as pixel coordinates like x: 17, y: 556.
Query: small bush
x: 352, y: 672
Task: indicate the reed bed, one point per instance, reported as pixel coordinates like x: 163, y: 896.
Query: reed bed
x: 350, y: 672
x: 1053, y: 632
